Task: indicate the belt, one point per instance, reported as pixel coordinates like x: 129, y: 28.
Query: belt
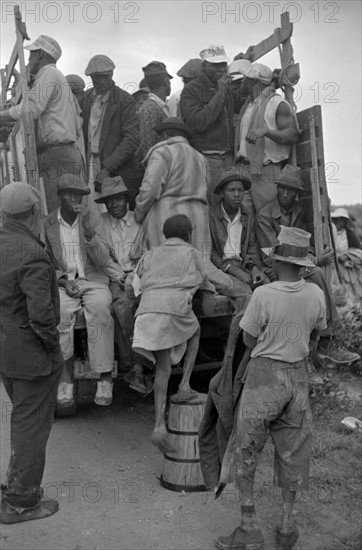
x: 53, y: 146
x: 214, y: 153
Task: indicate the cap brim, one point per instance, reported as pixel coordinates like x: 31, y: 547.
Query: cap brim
x: 289, y: 185
x: 80, y: 191
x: 218, y: 59
x: 236, y: 76
x: 32, y: 47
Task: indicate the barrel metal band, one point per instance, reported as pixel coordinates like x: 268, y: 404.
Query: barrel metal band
x: 180, y: 432
x: 183, y: 460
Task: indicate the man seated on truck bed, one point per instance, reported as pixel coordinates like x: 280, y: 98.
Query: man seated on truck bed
x: 286, y: 210
x: 80, y: 255
x: 234, y: 246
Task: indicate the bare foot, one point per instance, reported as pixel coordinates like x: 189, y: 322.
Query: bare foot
x: 160, y: 438
x: 185, y: 394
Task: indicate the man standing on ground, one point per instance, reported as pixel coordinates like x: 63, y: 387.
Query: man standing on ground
x: 52, y: 105
x: 278, y: 323
x: 31, y: 359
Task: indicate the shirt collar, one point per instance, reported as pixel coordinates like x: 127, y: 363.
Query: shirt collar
x: 158, y: 100
x: 63, y: 222
x: 126, y: 220
x: 226, y: 215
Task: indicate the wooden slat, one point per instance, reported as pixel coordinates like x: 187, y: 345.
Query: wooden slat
x: 271, y: 42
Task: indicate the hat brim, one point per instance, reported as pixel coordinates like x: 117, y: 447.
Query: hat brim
x: 32, y: 47
x: 102, y: 200
x: 163, y: 128
x: 302, y: 262
x: 76, y: 189
x: 236, y: 76
x: 246, y: 183
x: 289, y: 185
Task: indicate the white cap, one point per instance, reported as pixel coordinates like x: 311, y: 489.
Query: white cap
x: 340, y: 213
x: 260, y: 72
x: 237, y: 68
x: 214, y: 54
x: 47, y: 44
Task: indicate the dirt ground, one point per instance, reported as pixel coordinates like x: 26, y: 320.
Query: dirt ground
x: 104, y: 471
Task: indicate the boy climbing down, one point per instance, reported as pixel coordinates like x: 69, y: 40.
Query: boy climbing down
x: 166, y: 328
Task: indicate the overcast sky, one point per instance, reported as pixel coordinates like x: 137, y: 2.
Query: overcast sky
x: 326, y: 41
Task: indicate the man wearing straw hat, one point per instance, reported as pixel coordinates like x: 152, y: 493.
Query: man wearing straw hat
x: 278, y: 323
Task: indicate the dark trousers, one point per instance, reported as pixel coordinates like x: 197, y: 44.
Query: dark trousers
x: 31, y: 421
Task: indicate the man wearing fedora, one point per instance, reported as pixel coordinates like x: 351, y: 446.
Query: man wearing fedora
x: 286, y: 210
x: 51, y: 103
x: 126, y: 242
x: 111, y: 128
x: 206, y: 106
x: 278, y: 323
x: 31, y: 358
x: 80, y: 256
x: 264, y: 133
x: 154, y: 110
x: 232, y: 226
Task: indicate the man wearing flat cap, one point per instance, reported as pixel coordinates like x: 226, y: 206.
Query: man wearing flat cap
x: 80, y: 256
x: 190, y: 70
x: 31, y: 359
x: 264, y: 133
x: 154, y: 110
x: 111, y: 128
x: 286, y: 210
x: 52, y: 105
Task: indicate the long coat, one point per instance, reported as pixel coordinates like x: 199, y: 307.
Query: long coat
x: 174, y: 183
x: 29, y: 305
x: 119, y: 137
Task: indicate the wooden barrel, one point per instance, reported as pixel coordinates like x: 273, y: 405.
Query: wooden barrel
x: 181, y: 469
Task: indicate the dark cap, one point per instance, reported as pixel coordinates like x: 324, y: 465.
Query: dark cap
x: 155, y: 67
x: 175, y: 123
x: 70, y: 182
x: 290, y: 177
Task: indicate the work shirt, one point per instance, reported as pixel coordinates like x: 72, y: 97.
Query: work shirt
x: 52, y: 104
x: 281, y: 316
x: 95, y: 121
x: 233, y: 242
x: 125, y: 238
x: 69, y: 236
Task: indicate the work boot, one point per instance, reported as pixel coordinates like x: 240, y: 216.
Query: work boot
x: 136, y: 380
x: 15, y: 514
x: 241, y: 540
x: 337, y: 353
x: 312, y: 376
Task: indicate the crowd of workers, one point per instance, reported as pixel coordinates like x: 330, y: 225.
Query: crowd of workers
x: 151, y: 198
